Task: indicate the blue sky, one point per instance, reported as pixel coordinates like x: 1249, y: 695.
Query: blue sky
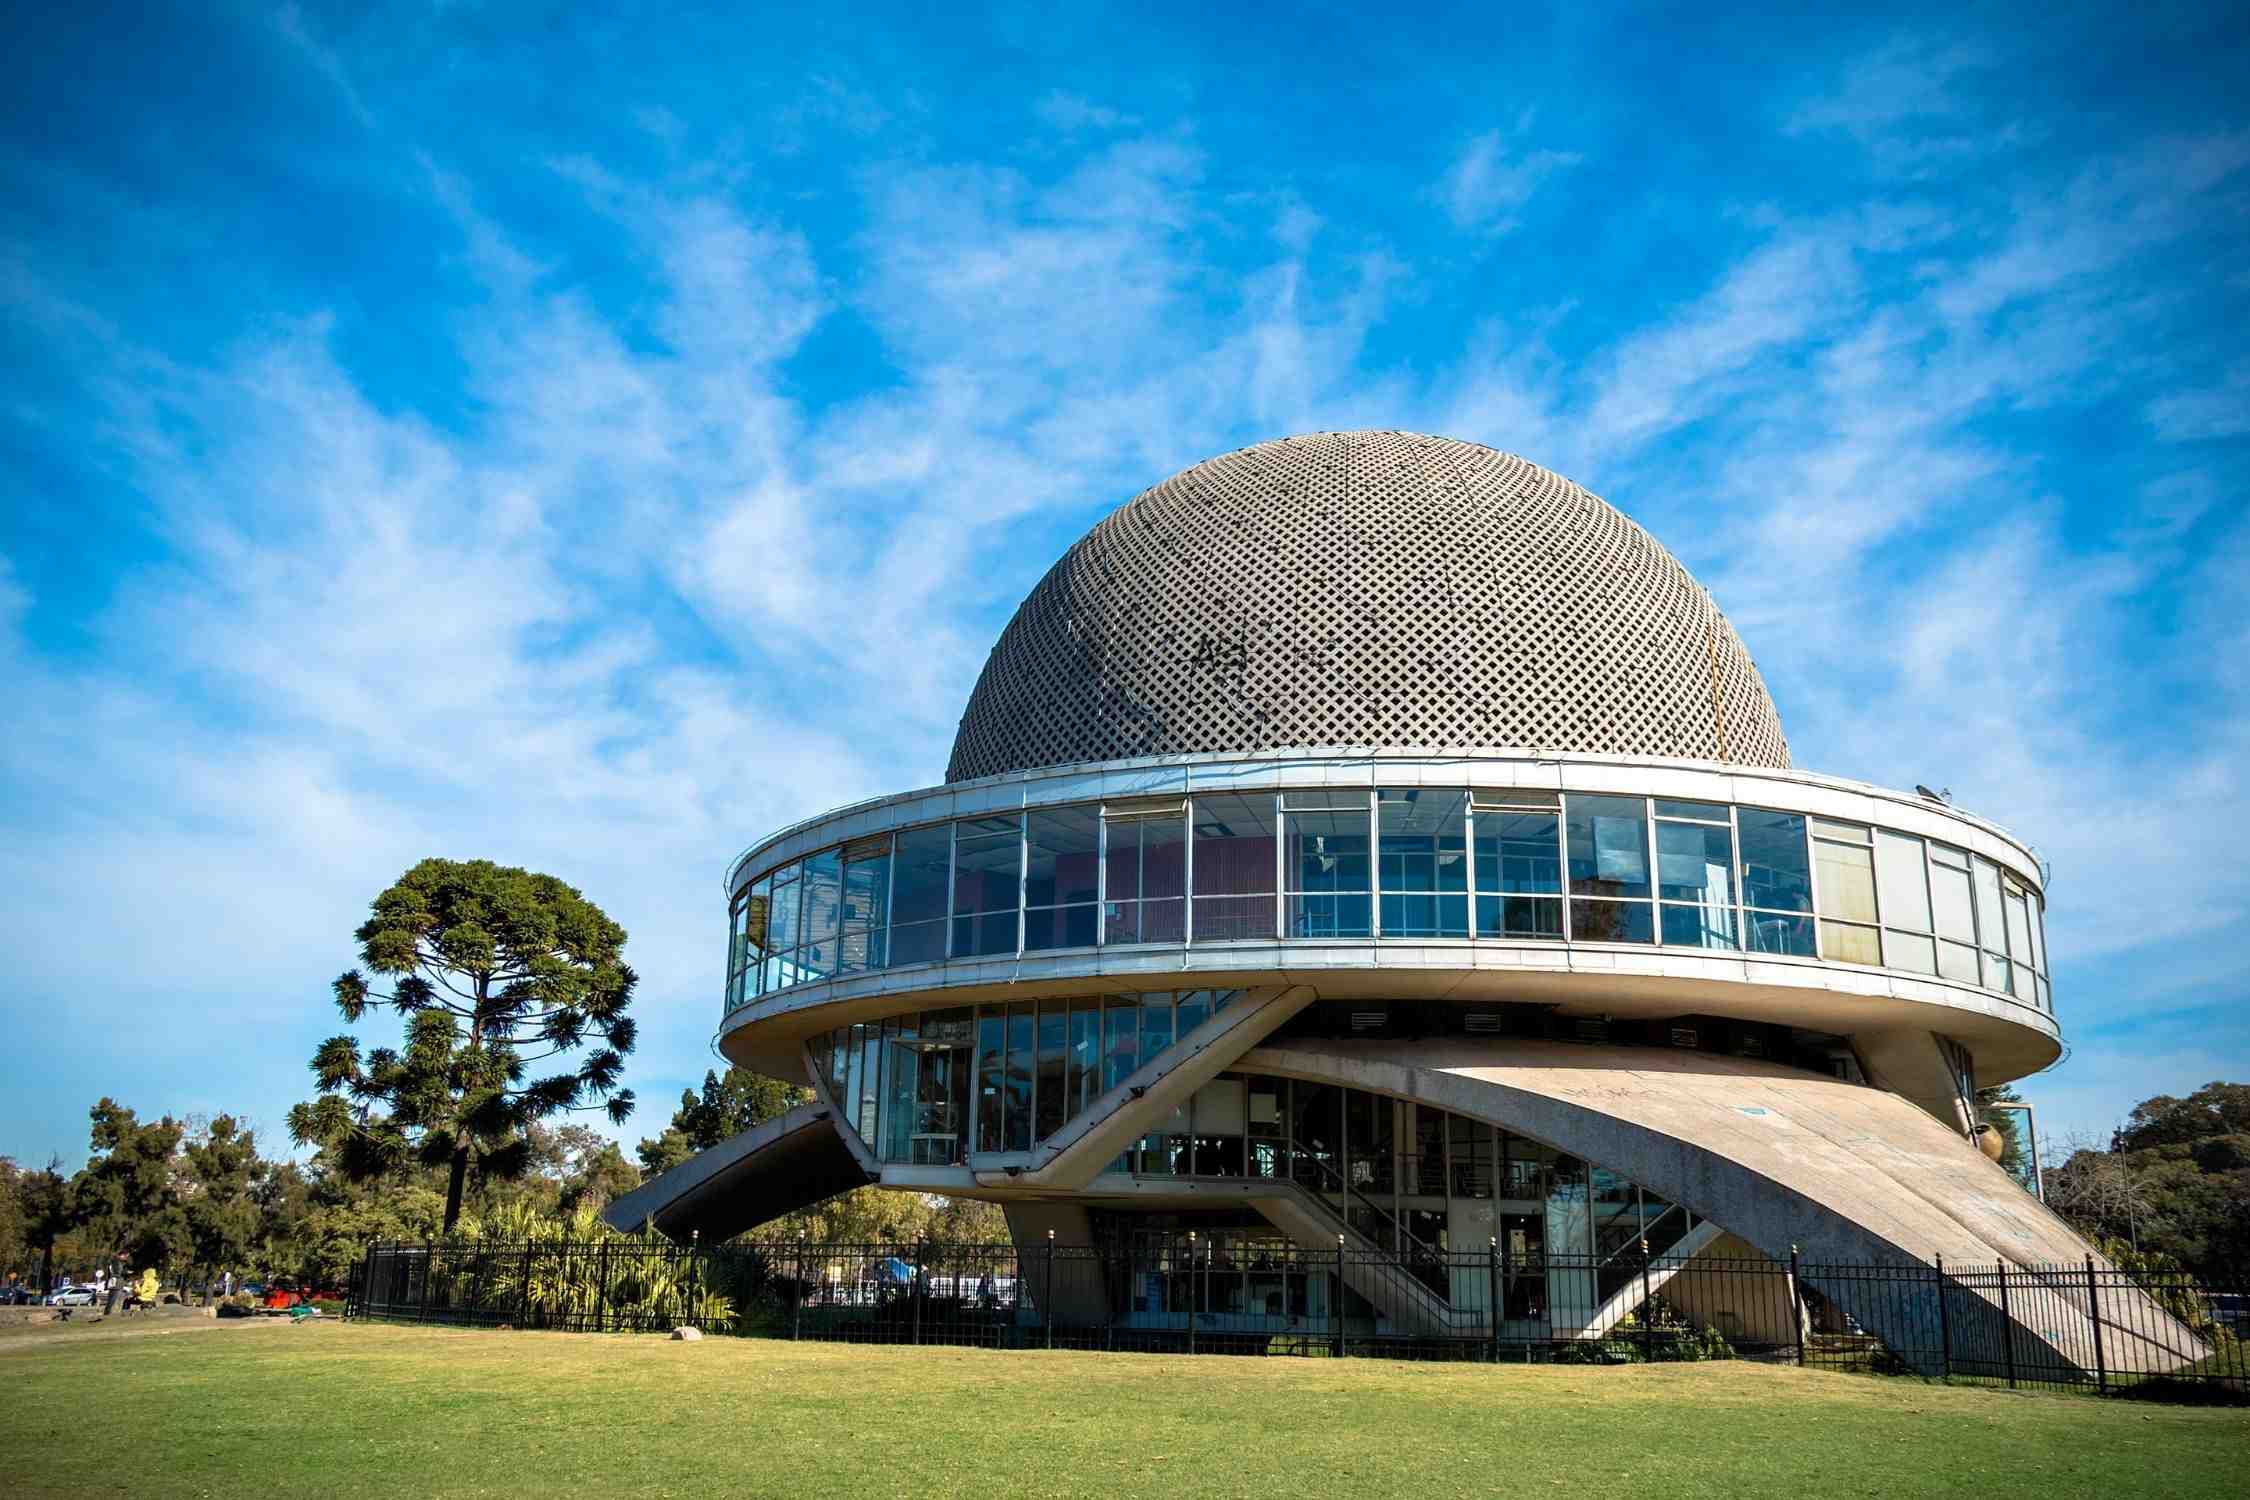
x: 593, y: 440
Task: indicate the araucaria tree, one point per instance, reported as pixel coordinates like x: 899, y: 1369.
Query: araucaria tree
x: 495, y: 971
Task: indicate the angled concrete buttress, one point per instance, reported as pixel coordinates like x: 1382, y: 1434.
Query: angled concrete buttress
x: 790, y: 1162
x: 1082, y: 1150
x: 1785, y: 1158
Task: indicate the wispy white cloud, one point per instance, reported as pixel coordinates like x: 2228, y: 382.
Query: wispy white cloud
x: 1072, y: 113
x: 2217, y: 411
x: 1491, y: 179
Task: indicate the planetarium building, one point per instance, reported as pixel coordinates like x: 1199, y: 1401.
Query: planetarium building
x: 1374, y: 846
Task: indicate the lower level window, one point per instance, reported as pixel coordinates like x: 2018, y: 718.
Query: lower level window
x: 1519, y: 916
x: 1611, y: 921
x: 1778, y: 932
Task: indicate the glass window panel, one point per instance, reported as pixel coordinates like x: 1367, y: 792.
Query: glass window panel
x: 1060, y: 856
x: 1608, y: 842
x: 992, y: 1053
x: 2038, y: 918
x: 756, y: 919
x: 1952, y: 905
x: 1121, y: 1016
x: 1611, y: 921
x: 1957, y: 961
x: 1776, y: 869
x: 867, y: 897
x: 1902, y: 880
x: 1519, y: 916
x: 1156, y: 1023
x: 824, y: 897
x: 1054, y: 1066
x: 1234, y: 859
x: 1698, y: 926
x: 1194, y: 1010
x: 1518, y: 854
x: 1326, y: 861
x: 1047, y: 927
x: 783, y: 932
x: 1849, y: 833
x: 1423, y: 837
x: 1695, y: 863
x: 987, y: 857
x: 1908, y: 950
x: 1223, y: 919
x: 1770, y: 932
x: 1019, y: 1078
x: 917, y: 942
x: 1847, y: 880
x: 1085, y: 1082
x: 2019, y: 925
x: 1991, y: 925
x: 987, y: 860
x: 815, y: 961
x: 1995, y: 971
x: 1845, y: 942
x: 902, y: 1086
x: 867, y: 1090
x: 1707, y: 812
x: 1413, y: 916
x: 924, y: 856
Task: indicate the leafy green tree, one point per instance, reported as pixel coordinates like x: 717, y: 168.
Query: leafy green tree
x: 593, y: 1171
x: 727, y: 1106
x: 2175, y: 1182
x: 222, y: 1213
x: 127, y: 1197
x: 48, y: 1215
x: 493, y: 970
x: 15, y: 1250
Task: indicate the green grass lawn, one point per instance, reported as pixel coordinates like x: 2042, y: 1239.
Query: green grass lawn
x: 336, y: 1409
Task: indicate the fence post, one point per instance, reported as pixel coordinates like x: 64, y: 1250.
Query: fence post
x: 1796, y: 1306
x: 1648, y: 1313
x: 1336, y: 1303
x: 1192, y: 1297
x: 2007, y: 1326
x: 914, y: 1290
x: 523, y: 1294
x: 797, y: 1297
x: 566, y: 1299
x: 2094, y: 1314
x: 1944, y: 1322
x: 429, y: 1266
x: 1047, y: 1298
x: 692, y: 1314
x: 601, y: 1289
x: 1493, y: 1281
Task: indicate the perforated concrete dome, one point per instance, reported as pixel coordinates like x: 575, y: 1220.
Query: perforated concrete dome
x: 1366, y: 590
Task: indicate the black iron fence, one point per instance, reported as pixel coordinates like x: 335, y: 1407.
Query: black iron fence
x: 2082, y: 1327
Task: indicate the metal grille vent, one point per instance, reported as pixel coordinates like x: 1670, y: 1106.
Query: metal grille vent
x: 1366, y: 590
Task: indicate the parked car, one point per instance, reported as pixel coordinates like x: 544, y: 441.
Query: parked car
x: 19, y: 1296
x: 74, y: 1296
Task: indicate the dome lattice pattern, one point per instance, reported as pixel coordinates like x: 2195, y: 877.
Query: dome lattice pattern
x: 1373, y: 591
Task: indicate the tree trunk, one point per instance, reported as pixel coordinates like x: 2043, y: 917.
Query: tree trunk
x: 453, y: 1186
x: 46, y: 1269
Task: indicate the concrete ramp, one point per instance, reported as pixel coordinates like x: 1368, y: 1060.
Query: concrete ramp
x: 1783, y: 1157
x: 790, y: 1162
x: 1648, y: 1283
x: 1313, y: 1225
